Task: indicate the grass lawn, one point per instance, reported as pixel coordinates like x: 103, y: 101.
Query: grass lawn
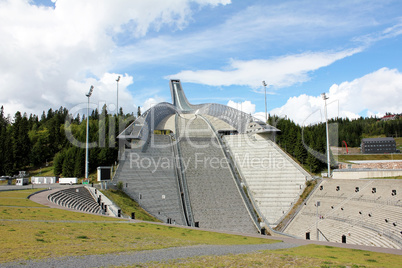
x: 42, y: 172
x: 49, y: 172
x: 35, y: 232
x: 304, y: 256
x: 398, y: 143
x: 128, y: 205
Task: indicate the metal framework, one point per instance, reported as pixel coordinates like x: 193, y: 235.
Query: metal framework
x: 143, y: 127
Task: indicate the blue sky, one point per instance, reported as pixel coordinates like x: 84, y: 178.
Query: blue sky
x: 221, y: 50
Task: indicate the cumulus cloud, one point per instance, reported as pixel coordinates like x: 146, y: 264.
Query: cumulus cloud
x: 277, y: 72
x: 245, y: 106
x: 373, y: 94
x: 48, y: 52
x: 105, y: 92
x: 148, y: 103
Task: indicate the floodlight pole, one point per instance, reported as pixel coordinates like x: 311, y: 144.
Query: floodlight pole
x: 324, y: 97
x: 86, y: 147
x: 118, y: 110
x: 265, y: 90
x: 316, y: 223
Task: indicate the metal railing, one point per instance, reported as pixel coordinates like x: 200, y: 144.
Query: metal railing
x: 318, y: 230
x: 182, y: 178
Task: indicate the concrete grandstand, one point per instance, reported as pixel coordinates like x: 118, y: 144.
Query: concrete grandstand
x: 362, y: 211
x: 207, y: 165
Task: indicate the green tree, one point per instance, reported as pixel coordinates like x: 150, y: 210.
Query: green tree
x: 21, y: 143
x: 69, y: 163
x: 79, y: 167
x: 299, y: 150
x: 58, y: 163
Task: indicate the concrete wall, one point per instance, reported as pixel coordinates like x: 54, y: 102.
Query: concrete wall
x: 360, y: 174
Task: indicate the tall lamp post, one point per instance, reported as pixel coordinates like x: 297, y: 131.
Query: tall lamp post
x: 117, y: 80
x: 316, y: 223
x: 265, y: 90
x: 324, y: 97
x: 86, y: 147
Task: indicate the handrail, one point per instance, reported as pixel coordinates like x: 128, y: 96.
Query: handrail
x: 179, y: 179
x: 322, y: 234
x: 387, y: 202
x: 110, y: 205
x: 182, y: 177
x: 236, y: 176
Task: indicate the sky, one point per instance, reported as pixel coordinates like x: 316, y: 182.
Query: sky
x: 51, y: 52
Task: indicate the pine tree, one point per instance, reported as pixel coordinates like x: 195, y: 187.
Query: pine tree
x: 58, y: 162
x: 311, y: 161
x: 69, y: 163
x: 79, y: 167
x: 21, y: 142
x: 299, y: 150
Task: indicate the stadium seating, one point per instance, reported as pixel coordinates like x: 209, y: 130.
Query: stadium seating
x: 149, y: 178
x: 274, y: 180
x: 78, y: 198
x: 367, y: 212
x: 215, y: 198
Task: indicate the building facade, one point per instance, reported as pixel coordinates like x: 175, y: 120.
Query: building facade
x: 378, y: 145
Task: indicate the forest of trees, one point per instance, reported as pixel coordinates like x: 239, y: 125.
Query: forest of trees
x: 314, y: 136
x: 30, y: 141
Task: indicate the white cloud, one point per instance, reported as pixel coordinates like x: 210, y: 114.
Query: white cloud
x: 105, y: 92
x: 373, y: 94
x: 148, y: 103
x: 277, y: 72
x: 264, y: 26
x: 260, y: 116
x: 389, y: 32
x: 245, y: 106
x: 46, y: 51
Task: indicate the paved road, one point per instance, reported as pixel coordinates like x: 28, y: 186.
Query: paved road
x: 146, y: 256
